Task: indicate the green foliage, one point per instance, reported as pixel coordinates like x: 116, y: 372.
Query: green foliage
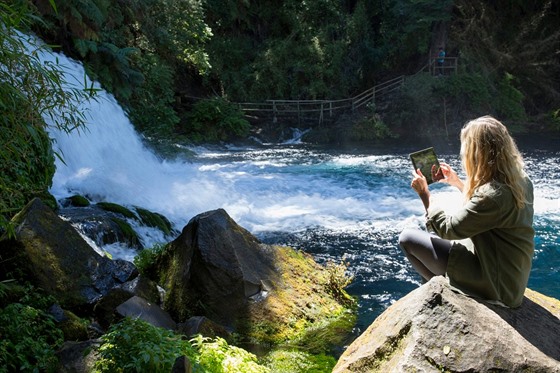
x: 215, y: 120
x: 518, y: 38
x: 146, y: 259
x: 509, y: 103
x: 29, y: 337
x: 134, y: 49
x: 337, y: 281
x: 293, y: 361
x: 136, y: 346
x: 218, y: 357
x: 554, y: 117
x: 30, y: 93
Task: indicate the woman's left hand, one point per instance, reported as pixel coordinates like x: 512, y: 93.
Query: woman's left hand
x: 420, y: 185
x: 419, y: 182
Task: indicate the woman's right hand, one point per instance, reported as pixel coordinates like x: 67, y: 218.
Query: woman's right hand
x: 450, y: 176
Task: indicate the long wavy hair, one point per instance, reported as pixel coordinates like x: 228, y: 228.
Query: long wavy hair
x: 489, y: 153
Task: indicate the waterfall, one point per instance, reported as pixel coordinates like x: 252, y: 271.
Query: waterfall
x: 108, y: 161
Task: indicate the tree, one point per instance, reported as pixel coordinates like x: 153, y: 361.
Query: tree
x: 30, y: 93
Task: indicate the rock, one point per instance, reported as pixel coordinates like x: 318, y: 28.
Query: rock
x: 435, y: 329
x: 55, y: 257
x: 182, y: 365
x: 73, y: 328
x: 203, y: 326
x: 141, y: 286
x: 139, y: 308
x: 78, y: 357
x: 266, y: 294
x: 217, y: 261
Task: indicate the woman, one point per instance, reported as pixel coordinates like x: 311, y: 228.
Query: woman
x: 486, y: 247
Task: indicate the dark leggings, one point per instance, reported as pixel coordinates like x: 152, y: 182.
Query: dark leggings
x: 427, y: 253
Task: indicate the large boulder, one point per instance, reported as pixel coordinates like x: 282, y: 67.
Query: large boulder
x: 215, y: 261
x: 55, y: 257
x: 270, y: 294
x: 436, y: 329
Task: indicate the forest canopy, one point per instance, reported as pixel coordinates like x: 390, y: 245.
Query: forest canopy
x: 158, y: 57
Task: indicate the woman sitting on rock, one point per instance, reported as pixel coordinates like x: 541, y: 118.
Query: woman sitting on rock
x: 486, y: 247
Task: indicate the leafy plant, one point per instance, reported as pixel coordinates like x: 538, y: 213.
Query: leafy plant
x: 215, y: 120
x: 146, y: 258
x: 218, y: 357
x: 32, y: 93
x: 337, y: 280
x: 293, y: 361
x: 135, y: 346
x: 29, y: 336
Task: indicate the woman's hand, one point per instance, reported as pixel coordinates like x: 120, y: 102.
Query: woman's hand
x: 420, y: 185
x: 450, y: 176
x: 419, y: 182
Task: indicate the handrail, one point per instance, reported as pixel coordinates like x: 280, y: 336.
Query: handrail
x: 321, y: 106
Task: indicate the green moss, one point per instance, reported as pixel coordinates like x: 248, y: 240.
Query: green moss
x: 73, y: 328
x: 79, y: 201
x: 301, y: 311
x: 153, y: 219
x: 294, y: 361
x: 127, y: 231
x: 113, y: 207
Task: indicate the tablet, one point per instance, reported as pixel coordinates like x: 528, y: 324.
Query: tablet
x: 424, y: 160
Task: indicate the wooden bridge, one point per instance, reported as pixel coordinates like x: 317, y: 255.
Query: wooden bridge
x: 323, y: 110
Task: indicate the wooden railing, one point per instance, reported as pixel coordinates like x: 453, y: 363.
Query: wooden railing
x: 448, y: 67
x: 323, y: 108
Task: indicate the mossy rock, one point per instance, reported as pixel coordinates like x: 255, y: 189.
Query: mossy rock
x: 155, y: 220
x: 128, y: 233
x: 79, y: 201
x: 116, y: 208
x: 73, y: 327
x: 302, y: 312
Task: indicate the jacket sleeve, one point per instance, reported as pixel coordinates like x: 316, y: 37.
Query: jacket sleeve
x: 481, y: 213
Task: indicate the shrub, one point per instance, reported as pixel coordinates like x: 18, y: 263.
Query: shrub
x: 215, y: 120
x: 136, y: 346
x: 29, y: 337
x: 146, y: 258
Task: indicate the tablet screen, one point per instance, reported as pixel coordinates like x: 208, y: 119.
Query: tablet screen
x: 424, y: 160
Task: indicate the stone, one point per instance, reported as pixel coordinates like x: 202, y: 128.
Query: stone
x: 437, y: 329
x: 55, y: 257
x: 216, y: 260
x: 78, y: 357
x: 139, y: 308
x: 265, y: 294
x: 203, y: 326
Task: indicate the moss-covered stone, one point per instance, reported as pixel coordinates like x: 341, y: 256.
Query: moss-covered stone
x: 301, y: 311
x: 116, y: 208
x: 79, y: 201
x: 73, y: 327
x: 153, y: 219
x: 127, y: 232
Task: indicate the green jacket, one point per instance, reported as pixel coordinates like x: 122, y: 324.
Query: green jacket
x: 493, y: 243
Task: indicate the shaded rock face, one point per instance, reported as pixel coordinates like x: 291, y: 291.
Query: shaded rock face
x: 215, y: 262
x: 435, y: 329
x: 58, y: 260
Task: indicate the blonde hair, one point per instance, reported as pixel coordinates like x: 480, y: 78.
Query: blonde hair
x: 489, y: 153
